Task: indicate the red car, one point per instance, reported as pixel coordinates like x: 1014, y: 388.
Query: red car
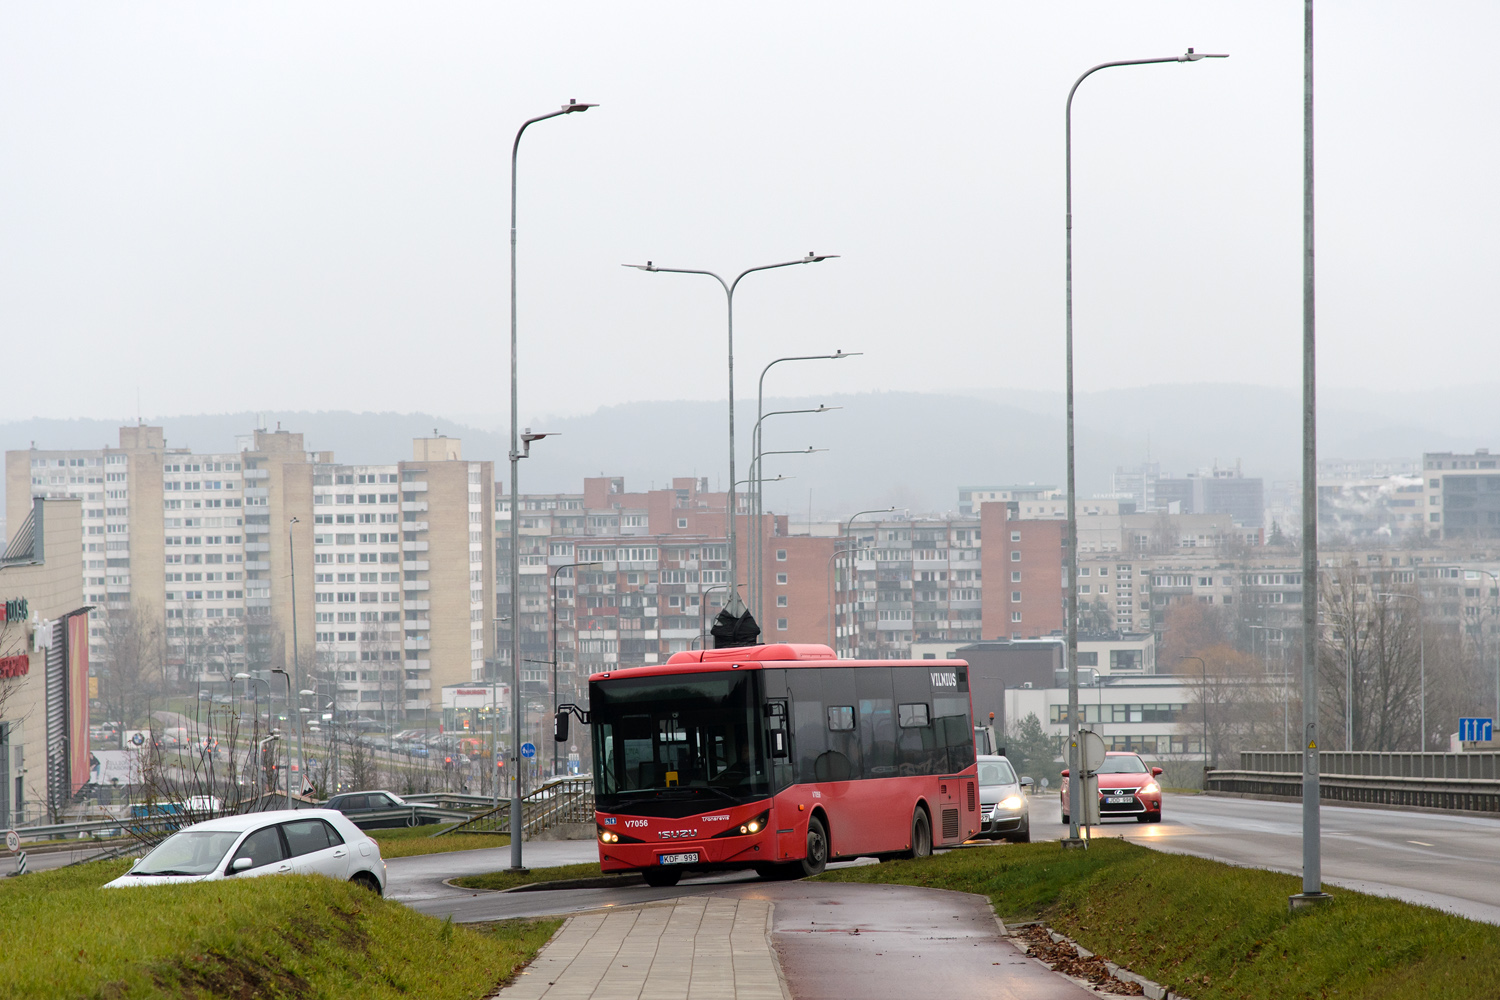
x: 1127, y: 787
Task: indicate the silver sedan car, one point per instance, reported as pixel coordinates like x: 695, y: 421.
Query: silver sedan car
x: 1004, y: 813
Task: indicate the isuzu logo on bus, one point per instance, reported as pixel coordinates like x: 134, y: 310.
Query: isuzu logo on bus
x: 677, y: 834
x: 948, y: 680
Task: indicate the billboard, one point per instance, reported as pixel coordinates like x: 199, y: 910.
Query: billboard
x: 77, y: 650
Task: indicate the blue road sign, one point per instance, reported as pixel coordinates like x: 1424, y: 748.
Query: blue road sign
x: 528, y: 750
x: 1476, y: 730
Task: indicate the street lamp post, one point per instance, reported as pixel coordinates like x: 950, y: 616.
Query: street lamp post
x: 848, y: 548
x: 1203, y: 697
x: 517, y: 441
x: 1421, y: 657
x: 729, y: 288
x: 757, y: 507
x: 552, y: 591
x: 757, y: 510
x: 1075, y: 794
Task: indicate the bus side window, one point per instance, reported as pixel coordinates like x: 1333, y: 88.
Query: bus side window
x: 809, y: 726
x: 956, y: 731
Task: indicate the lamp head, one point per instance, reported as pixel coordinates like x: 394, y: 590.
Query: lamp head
x: 573, y: 106
x: 1191, y: 56
x: 813, y: 258
x: 648, y: 266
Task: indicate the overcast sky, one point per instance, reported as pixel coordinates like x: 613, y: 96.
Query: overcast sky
x: 305, y: 205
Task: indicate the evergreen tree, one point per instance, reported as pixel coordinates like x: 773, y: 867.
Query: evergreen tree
x: 1033, y: 751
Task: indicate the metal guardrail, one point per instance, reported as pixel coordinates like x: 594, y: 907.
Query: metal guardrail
x: 417, y: 814
x: 1456, y: 782
x: 566, y: 800
x: 1481, y: 765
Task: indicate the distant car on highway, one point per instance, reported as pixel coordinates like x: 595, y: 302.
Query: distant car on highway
x: 1127, y: 787
x: 1004, y: 813
x: 281, y: 842
x: 362, y: 809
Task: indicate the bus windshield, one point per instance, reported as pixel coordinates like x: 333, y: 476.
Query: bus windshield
x: 677, y: 745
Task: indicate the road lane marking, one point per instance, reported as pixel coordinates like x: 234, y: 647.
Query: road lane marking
x: 1420, y: 843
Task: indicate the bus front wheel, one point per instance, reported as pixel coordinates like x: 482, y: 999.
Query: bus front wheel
x: 921, y: 835
x: 817, y: 849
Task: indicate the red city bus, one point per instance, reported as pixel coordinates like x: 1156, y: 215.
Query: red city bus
x: 778, y: 758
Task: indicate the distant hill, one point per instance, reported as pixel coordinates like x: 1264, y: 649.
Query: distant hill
x: 886, y: 448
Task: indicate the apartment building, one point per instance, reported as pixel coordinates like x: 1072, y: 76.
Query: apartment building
x: 1462, y: 494
x: 1023, y: 563
x: 189, y: 557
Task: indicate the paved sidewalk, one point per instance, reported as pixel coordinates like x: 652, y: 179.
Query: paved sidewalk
x: 699, y: 948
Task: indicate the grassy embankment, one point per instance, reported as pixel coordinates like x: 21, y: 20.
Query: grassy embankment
x: 403, y: 842
x: 1211, y: 930
x: 282, y: 936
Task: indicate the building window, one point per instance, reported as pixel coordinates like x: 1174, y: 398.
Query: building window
x: 682, y: 522
x: 781, y: 555
x: 1015, y: 536
x: 780, y: 579
x: 1015, y: 576
x: 781, y: 600
x: 781, y: 624
x: 1015, y: 616
x: 1015, y: 556
x: 1015, y: 597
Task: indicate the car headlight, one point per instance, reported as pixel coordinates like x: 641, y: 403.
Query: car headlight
x: 1150, y: 788
x: 1011, y: 802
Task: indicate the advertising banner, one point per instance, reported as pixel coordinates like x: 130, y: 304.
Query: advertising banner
x: 80, y: 766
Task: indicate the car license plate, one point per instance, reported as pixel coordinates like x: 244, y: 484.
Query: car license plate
x: 691, y: 858
x: 1117, y: 800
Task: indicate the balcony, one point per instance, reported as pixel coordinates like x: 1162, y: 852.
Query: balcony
x: 417, y: 704
x: 418, y: 664
x: 420, y: 565
x: 257, y: 491
x: 413, y: 525
x: 257, y: 529
x: 414, y: 487
x: 422, y: 643
x: 416, y: 605
x: 413, y: 546
x: 411, y: 585
x: 414, y: 507
x: 421, y: 624
x: 423, y: 684
x: 257, y: 473
x: 257, y: 564
x: 257, y: 546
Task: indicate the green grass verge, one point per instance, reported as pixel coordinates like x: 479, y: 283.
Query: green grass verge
x: 406, y: 841
x: 281, y: 936
x: 509, y: 880
x: 1211, y: 930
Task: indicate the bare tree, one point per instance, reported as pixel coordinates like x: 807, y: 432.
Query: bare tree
x: 1369, y: 663
x: 132, y: 671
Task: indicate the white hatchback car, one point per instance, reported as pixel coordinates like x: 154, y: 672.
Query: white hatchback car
x: 283, y: 842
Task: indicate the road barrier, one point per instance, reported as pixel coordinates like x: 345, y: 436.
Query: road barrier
x: 565, y: 800
x: 1450, y: 782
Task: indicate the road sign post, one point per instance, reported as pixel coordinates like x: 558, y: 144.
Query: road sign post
x: 12, y: 841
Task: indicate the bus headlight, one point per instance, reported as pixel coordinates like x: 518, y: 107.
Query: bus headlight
x: 748, y: 827
x: 608, y: 837
x: 1010, y: 802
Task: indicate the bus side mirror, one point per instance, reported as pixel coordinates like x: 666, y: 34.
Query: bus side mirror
x: 778, y: 743
x: 560, y: 728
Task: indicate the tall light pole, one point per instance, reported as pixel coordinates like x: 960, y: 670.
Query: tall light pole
x: 1312, y: 850
x: 757, y: 476
x: 552, y: 592
x: 733, y: 605
x: 1075, y: 795
x: 760, y: 415
x: 1204, y: 699
x: 1421, y: 657
x: 516, y: 454
x: 848, y: 548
